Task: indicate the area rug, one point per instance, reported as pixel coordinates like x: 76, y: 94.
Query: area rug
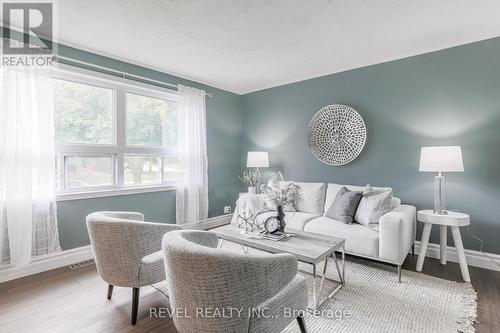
x: 373, y: 301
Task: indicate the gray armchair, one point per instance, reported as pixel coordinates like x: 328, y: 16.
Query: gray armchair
x: 252, y: 293
x: 127, y: 251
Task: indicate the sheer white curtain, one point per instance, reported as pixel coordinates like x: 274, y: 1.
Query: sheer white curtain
x: 28, y: 220
x: 192, y: 190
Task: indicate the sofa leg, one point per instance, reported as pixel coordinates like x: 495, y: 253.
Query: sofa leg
x: 413, y: 250
x: 399, y: 273
x: 302, y: 324
x: 110, y: 291
x: 135, y: 305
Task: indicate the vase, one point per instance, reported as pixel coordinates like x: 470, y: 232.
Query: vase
x: 281, y: 218
x: 252, y: 190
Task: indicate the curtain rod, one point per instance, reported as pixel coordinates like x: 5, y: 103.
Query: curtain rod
x: 123, y: 75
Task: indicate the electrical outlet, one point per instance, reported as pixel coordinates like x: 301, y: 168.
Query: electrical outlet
x: 227, y: 209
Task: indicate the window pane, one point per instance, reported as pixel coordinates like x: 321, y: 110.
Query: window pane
x: 172, y: 168
x: 83, y: 113
x: 141, y: 170
x: 151, y: 121
x: 82, y: 171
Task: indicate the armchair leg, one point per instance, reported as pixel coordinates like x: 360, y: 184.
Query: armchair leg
x: 302, y: 324
x: 135, y: 305
x: 110, y: 291
x: 413, y: 250
x: 399, y: 273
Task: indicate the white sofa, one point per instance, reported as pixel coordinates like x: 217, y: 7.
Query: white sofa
x: 390, y: 244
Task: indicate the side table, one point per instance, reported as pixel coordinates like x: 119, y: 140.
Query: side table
x: 454, y: 220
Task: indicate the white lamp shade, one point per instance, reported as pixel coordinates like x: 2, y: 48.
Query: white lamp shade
x: 441, y: 159
x: 257, y: 159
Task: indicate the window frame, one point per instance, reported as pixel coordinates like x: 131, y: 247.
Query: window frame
x: 120, y: 88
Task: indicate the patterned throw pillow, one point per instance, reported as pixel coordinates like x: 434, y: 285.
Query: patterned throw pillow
x: 372, y: 206
x: 344, y: 206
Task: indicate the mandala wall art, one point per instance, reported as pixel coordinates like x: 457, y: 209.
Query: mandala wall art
x: 336, y: 134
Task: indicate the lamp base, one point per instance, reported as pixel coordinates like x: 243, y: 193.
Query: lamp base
x: 440, y: 195
x: 259, y: 178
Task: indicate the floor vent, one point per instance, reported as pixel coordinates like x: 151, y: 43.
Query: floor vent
x: 82, y: 264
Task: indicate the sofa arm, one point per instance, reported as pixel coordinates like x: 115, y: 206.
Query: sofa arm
x: 397, y: 230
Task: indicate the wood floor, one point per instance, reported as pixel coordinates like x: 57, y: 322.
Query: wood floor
x: 65, y: 300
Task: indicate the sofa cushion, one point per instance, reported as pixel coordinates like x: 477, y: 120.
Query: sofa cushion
x: 312, y: 199
x: 332, y: 190
x: 344, y: 206
x: 152, y: 268
x: 359, y: 239
x: 294, y: 220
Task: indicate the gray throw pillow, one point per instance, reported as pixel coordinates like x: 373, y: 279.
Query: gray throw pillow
x: 344, y: 206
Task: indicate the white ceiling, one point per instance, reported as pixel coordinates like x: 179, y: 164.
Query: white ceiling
x: 248, y: 45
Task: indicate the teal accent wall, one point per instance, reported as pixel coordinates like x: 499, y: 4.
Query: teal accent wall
x: 156, y: 207
x: 449, y: 97
x: 223, y: 137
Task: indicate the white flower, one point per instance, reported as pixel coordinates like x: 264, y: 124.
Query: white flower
x: 249, y: 177
x: 280, y: 194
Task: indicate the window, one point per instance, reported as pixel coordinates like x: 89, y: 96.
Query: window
x: 84, y: 171
x: 82, y: 113
x: 151, y: 121
x: 142, y: 170
x: 171, y: 168
x: 111, y: 134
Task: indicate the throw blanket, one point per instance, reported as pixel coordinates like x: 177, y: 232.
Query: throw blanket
x: 249, y: 205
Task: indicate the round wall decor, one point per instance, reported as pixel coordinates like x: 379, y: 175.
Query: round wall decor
x: 336, y: 134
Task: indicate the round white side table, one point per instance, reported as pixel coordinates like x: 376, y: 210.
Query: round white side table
x: 454, y: 220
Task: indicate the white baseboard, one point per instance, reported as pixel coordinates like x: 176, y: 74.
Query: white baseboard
x: 46, y: 263
x: 72, y: 256
x: 210, y: 223
x: 474, y: 258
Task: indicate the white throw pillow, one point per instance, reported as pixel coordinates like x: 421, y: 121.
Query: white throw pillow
x: 373, y: 205
x: 395, y: 202
x: 312, y: 199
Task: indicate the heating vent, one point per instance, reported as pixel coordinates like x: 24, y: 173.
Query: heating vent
x: 82, y: 264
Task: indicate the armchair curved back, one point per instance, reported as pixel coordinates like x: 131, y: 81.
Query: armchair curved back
x: 203, y: 280
x: 120, y: 240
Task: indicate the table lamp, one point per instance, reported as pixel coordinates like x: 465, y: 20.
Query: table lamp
x: 441, y: 159
x: 258, y: 159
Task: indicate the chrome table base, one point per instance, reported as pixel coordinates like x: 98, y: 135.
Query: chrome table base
x: 317, y: 292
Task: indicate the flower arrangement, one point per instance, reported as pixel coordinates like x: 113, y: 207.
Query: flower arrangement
x: 249, y: 177
x: 279, y: 194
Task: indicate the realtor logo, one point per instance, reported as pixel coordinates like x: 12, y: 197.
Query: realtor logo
x: 35, y: 21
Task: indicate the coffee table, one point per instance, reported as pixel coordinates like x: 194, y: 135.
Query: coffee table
x: 307, y: 247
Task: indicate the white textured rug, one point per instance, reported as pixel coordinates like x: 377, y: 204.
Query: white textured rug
x: 373, y: 301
